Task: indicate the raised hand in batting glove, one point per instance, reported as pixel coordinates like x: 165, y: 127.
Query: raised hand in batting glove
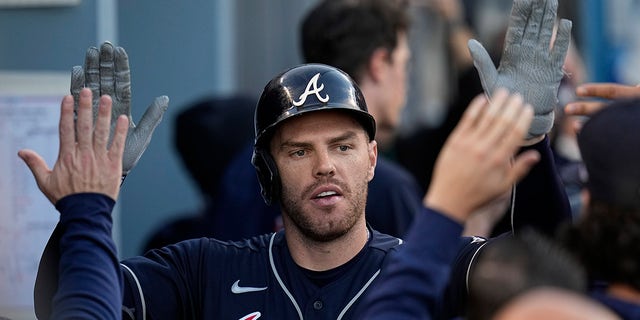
x: 106, y: 72
x: 529, y: 65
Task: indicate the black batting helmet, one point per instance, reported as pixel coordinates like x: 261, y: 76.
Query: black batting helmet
x: 299, y: 90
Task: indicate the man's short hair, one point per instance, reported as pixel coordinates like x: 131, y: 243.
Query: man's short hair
x: 345, y: 33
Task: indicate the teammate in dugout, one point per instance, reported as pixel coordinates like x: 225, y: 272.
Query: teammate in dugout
x: 309, y: 156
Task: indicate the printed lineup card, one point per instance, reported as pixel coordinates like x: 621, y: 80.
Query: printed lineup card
x: 27, y: 218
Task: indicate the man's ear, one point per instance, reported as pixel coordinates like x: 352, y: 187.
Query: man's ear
x: 378, y: 64
x: 373, y: 158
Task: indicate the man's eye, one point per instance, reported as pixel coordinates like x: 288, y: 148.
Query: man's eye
x: 344, y: 148
x: 299, y: 153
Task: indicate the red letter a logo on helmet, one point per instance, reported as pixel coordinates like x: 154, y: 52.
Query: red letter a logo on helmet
x: 312, y: 88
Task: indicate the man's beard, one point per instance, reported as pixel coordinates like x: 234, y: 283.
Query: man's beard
x: 292, y: 207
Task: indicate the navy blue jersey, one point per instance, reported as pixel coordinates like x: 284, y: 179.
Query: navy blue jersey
x: 209, y: 279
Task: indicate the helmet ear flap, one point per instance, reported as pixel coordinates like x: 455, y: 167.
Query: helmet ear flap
x: 268, y: 176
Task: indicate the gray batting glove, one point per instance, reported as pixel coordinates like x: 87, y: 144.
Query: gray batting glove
x: 106, y: 71
x: 528, y: 65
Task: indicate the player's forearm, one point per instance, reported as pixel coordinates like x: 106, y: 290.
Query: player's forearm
x: 541, y: 200
x: 86, y: 275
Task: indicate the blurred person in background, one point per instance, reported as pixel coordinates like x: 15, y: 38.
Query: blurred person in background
x: 208, y: 134
x: 606, y: 237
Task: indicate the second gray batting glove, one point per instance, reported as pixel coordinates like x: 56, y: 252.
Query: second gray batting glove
x: 529, y: 65
x: 106, y: 71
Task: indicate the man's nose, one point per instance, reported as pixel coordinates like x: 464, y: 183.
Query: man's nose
x: 324, y: 165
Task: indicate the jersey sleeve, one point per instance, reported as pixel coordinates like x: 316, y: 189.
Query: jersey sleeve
x: 411, y: 284
x: 541, y: 200
x: 79, y: 276
x: 168, y: 282
x: 456, y: 295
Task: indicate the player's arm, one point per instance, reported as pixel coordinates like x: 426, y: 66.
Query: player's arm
x: 541, y: 201
x: 96, y: 151
x: 531, y: 64
x: 86, y: 165
x: 474, y: 167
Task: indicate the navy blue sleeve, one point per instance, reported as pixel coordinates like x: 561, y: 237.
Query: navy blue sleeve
x: 167, y: 282
x: 412, y: 284
x: 457, y: 292
x: 79, y: 274
x: 541, y: 200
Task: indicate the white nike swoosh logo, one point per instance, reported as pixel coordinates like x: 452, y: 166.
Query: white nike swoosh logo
x: 477, y: 239
x: 236, y: 288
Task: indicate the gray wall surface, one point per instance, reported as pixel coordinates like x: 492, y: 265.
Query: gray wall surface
x: 53, y: 38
